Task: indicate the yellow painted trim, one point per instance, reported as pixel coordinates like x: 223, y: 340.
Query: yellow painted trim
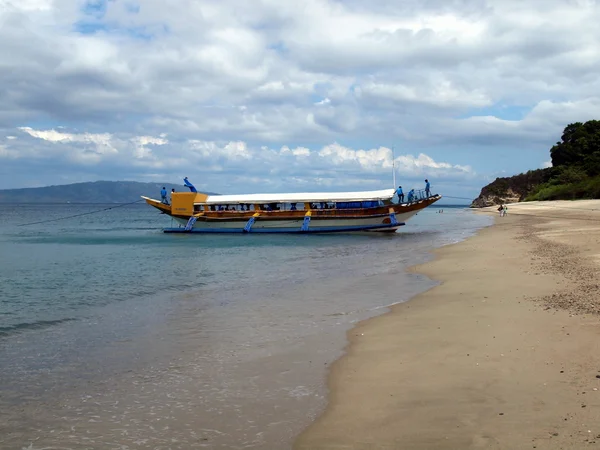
x: 200, y: 197
x: 308, y: 213
x: 256, y: 215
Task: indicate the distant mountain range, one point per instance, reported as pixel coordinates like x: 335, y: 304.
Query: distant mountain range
x: 92, y: 192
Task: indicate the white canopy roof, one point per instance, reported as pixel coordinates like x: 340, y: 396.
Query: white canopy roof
x: 385, y: 194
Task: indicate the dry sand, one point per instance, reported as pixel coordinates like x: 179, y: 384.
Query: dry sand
x: 504, y: 354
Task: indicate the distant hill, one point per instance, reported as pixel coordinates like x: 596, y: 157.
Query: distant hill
x: 92, y: 192
x: 574, y: 175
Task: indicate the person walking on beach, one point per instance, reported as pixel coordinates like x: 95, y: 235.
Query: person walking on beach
x: 163, y: 196
x: 400, y: 194
x: 505, y: 210
x: 501, y: 210
x: 427, y: 188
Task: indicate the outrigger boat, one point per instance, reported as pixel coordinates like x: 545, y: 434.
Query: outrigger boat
x: 196, y: 212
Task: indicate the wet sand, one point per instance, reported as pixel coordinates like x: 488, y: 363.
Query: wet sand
x: 503, y: 354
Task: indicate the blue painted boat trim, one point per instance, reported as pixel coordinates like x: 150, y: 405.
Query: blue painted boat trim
x: 285, y: 230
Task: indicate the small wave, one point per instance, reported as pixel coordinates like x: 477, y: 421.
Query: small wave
x: 38, y: 324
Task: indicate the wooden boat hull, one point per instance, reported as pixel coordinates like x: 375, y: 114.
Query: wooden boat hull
x: 387, y: 218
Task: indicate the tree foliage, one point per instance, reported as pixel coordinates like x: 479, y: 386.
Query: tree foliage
x: 580, y: 143
x: 576, y: 165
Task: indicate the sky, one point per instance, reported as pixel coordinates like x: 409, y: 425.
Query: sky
x: 280, y: 95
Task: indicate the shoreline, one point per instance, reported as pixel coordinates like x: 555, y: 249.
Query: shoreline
x: 500, y: 354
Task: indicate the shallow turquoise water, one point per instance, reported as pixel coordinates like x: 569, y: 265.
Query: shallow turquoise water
x: 108, y: 296
x: 60, y: 271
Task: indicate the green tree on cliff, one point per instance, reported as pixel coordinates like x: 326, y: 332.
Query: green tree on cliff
x: 579, y: 146
x: 575, y: 171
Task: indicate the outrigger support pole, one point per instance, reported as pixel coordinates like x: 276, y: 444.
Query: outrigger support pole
x: 190, y: 223
x: 250, y: 222
x: 393, y: 219
x: 306, y: 221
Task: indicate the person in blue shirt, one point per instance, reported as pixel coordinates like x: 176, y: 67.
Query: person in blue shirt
x: 400, y: 194
x: 163, y: 196
x: 427, y: 188
x: 411, y: 195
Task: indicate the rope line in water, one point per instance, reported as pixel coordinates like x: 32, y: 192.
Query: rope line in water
x: 457, y: 198
x: 79, y: 215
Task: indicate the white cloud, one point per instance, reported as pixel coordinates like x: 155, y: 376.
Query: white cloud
x: 466, y: 83
x: 141, y: 145
x: 332, y: 166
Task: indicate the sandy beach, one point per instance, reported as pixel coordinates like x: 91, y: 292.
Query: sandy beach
x: 503, y: 354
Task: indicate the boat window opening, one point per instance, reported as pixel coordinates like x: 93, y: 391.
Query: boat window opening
x: 348, y: 205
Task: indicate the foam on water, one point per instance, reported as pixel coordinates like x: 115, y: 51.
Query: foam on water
x: 185, y: 341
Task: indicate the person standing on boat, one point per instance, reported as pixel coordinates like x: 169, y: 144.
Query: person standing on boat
x: 163, y: 196
x: 427, y: 188
x: 400, y: 194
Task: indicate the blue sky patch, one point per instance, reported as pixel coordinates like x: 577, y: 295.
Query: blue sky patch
x: 85, y: 27
x: 279, y: 47
x: 95, y: 8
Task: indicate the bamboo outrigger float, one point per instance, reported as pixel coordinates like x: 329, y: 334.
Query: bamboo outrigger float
x: 196, y: 212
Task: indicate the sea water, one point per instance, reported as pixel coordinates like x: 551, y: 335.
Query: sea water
x: 115, y: 335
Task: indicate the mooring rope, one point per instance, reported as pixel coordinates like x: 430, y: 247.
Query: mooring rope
x: 82, y: 214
